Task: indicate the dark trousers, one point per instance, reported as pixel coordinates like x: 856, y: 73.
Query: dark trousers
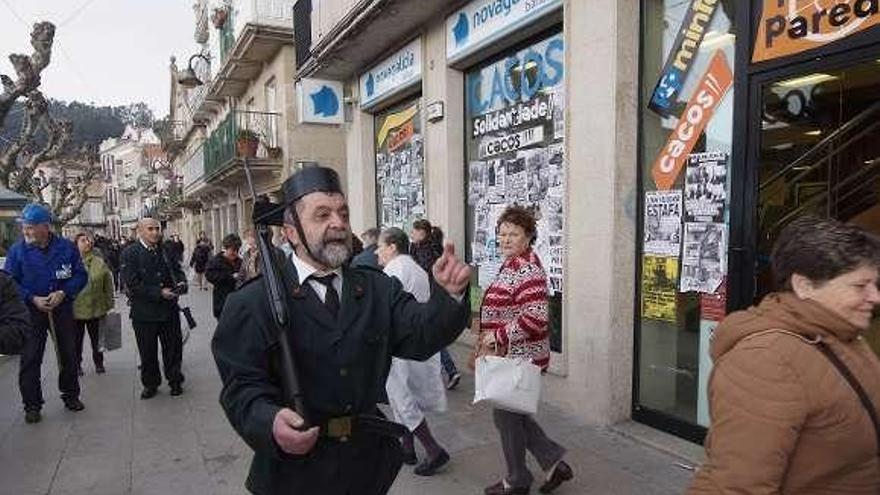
x: 520, y: 432
x: 92, y: 326
x: 447, y: 362
x: 29, y: 374
x: 149, y: 334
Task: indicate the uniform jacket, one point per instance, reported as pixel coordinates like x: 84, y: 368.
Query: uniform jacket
x: 39, y: 271
x: 15, y: 319
x: 96, y: 299
x: 145, y: 273
x: 343, y: 366
x: 221, y: 272
x: 784, y: 420
x: 515, y: 309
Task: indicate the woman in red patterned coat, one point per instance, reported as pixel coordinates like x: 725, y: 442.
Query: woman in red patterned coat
x: 513, y: 323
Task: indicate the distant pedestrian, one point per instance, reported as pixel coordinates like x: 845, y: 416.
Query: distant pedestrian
x: 223, y: 272
x: 513, y: 323
x: 199, y: 259
x: 426, y: 248
x: 154, y: 284
x: 368, y: 256
x: 250, y: 257
x: 92, y: 303
x: 50, y: 274
x: 15, y: 322
x: 175, y: 248
x: 413, y: 387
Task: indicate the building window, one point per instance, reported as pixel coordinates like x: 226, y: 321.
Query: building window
x: 686, y: 143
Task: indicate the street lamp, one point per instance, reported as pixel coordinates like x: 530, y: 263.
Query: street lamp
x: 188, y: 79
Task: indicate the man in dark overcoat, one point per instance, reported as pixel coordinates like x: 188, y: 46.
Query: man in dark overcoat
x: 346, y: 323
x: 153, y: 283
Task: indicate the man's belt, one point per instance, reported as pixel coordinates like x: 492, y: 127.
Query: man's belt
x: 343, y: 428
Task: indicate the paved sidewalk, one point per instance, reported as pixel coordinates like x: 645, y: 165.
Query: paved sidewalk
x: 121, y: 445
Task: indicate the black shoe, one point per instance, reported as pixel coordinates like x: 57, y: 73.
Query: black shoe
x: 453, y: 381
x: 100, y: 370
x: 500, y: 489
x: 431, y: 466
x: 176, y: 390
x: 148, y: 393
x: 33, y: 416
x: 560, y: 475
x: 409, y: 457
x: 74, y: 405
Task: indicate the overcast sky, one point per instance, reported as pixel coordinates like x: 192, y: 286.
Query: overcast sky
x: 109, y: 52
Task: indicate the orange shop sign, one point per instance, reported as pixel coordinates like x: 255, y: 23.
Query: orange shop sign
x: 792, y: 26
x: 716, y: 81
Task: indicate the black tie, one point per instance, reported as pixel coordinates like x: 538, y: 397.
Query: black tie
x: 331, y: 299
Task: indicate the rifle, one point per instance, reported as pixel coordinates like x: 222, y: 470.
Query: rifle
x: 263, y: 217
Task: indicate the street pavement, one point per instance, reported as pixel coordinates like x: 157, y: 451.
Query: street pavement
x: 122, y: 445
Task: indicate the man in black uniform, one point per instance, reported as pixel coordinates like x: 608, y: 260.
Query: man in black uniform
x: 153, y: 283
x: 346, y: 323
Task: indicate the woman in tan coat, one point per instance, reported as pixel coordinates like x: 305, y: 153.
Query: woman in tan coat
x: 795, y: 388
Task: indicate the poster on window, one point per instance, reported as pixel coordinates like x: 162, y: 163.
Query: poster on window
x: 705, y: 187
x: 663, y: 223
x: 400, y: 167
x: 659, y: 280
x: 704, y: 257
x: 516, y: 128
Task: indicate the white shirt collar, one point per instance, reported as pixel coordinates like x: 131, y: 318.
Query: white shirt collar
x: 145, y: 245
x: 304, y: 270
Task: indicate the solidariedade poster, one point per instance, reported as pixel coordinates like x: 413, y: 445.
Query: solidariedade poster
x: 516, y: 152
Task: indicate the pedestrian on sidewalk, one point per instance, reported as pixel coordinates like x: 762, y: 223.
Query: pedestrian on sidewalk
x: 250, y: 258
x: 154, y: 284
x: 425, y: 249
x: 413, y: 387
x: 199, y: 259
x: 368, y: 256
x: 92, y: 303
x: 15, y: 322
x: 513, y: 323
x: 50, y: 274
x: 349, y: 322
x: 795, y: 389
x: 223, y: 272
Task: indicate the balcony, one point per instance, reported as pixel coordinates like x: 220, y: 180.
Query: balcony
x: 254, y: 32
x: 222, y: 161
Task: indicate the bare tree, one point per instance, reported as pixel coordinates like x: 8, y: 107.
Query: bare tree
x: 65, y: 189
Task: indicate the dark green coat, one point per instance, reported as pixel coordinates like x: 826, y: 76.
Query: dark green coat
x: 343, y: 366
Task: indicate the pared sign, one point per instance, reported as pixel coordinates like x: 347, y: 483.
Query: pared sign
x: 395, y: 73
x: 699, y: 111
x: 319, y: 101
x: 482, y: 22
x: 793, y: 26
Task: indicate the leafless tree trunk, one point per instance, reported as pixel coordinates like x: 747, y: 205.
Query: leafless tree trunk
x: 27, y: 69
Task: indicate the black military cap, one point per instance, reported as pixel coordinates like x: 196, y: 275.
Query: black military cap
x: 309, y: 180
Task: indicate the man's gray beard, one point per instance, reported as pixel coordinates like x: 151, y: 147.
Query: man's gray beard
x: 332, y: 255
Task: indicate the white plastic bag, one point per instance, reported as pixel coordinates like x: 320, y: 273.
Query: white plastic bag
x: 512, y: 384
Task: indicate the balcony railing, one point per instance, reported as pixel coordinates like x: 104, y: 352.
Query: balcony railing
x: 220, y: 149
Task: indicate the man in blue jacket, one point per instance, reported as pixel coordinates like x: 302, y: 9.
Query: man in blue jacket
x: 50, y: 274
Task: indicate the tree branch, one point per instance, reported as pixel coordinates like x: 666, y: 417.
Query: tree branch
x: 27, y: 69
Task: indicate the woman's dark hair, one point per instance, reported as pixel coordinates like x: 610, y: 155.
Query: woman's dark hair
x: 393, y: 236
x: 521, y: 217
x: 423, y: 225
x: 232, y: 240
x: 821, y: 249
x: 83, y: 234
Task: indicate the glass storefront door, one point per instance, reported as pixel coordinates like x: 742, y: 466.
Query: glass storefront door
x: 400, y: 166
x: 818, y: 153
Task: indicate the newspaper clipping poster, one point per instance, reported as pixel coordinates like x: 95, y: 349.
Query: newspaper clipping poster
x: 663, y: 222
x: 705, y: 187
x: 659, y: 280
x: 704, y: 257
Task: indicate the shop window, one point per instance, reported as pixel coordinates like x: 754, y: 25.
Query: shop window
x: 515, y: 123
x: 400, y: 166
x: 686, y: 143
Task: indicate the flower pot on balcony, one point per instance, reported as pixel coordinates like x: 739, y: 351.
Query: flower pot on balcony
x: 274, y: 152
x: 247, y: 144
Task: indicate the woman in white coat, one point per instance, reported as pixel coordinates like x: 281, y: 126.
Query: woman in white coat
x: 413, y: 387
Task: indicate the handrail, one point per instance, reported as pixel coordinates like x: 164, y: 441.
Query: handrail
x: 858, y: 119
